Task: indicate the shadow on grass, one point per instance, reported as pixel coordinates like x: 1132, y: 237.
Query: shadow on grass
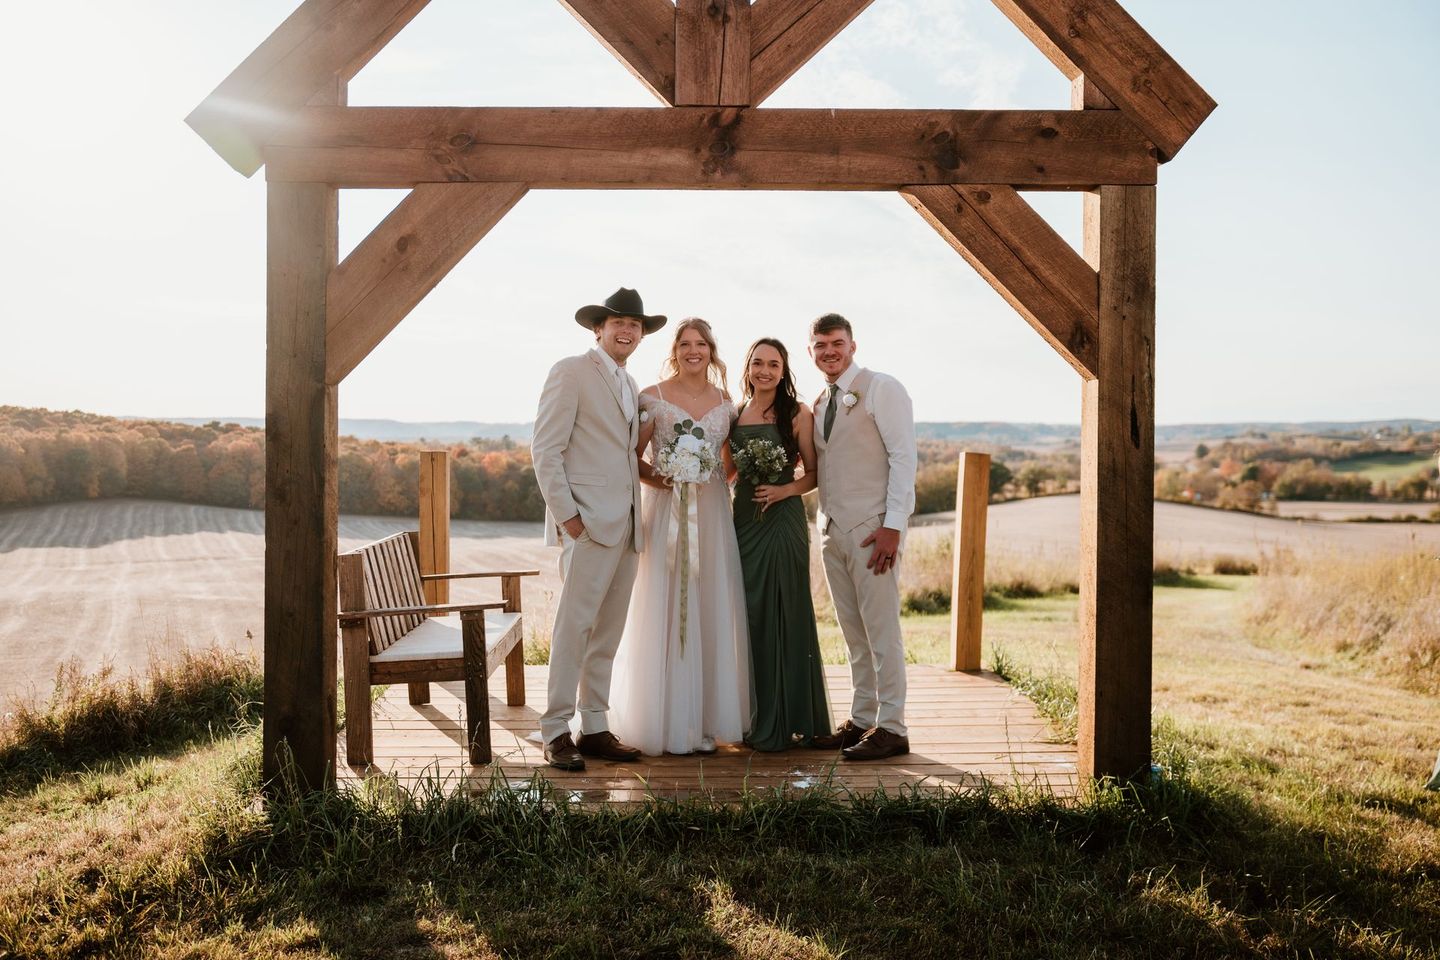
x: 1170, y: 867
x: 1165, y: 576
x: 1182, y: 864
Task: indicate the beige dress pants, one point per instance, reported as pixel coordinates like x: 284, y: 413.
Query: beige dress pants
x: 588, y: 623
x: 868, y: 608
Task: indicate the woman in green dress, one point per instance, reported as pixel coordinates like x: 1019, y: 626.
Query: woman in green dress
x: 789, y: 704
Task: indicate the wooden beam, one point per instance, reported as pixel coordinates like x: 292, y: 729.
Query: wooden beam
x: 321, y: 40
x: 712, y: 53
x: 1099, y: 39
x: 967, y: 585
x: 402, y: 260
x: 639, y: 33
x: 708, y: 147
x: 1117, y: 466
x: 301, y: 497
x: 787, y: 33
x: 1023, y: 258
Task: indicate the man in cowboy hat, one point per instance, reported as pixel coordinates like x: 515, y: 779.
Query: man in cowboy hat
x: 586, y: 431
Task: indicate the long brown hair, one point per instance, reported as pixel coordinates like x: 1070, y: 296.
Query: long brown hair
x: 786, y: 404
x: 715, y: 373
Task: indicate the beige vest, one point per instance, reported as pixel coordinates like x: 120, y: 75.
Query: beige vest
x: 854, y: 466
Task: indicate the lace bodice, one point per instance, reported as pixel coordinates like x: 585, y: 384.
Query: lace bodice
x: 664, y: 414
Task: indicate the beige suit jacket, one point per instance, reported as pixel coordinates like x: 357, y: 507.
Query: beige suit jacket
x: 584, y: 452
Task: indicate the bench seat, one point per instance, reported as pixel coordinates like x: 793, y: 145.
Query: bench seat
x: 439, y: 639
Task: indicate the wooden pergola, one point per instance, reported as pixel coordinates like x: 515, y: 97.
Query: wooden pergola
x: 711, y: 63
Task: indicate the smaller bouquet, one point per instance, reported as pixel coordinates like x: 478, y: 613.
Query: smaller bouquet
x: 759, y: 460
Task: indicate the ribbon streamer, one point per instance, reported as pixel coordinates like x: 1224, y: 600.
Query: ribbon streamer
x: 686, y: 546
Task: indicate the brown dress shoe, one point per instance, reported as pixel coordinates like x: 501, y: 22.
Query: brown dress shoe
x: 847, y: 735
x: 606, y: 746
x: 877, y: 744
x: 561, y: 754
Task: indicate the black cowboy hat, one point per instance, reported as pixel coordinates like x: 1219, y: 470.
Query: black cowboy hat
x: 622, y: 303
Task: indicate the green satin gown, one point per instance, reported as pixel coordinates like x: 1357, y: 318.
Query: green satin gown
x: 788, y: 705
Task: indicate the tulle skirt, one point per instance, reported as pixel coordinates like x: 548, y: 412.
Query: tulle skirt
x: 669, y: 698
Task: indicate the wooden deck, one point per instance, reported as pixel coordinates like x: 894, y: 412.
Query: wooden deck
x: 964, y: 729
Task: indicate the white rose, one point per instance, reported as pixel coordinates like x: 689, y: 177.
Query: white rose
x: 850, y: 399
x: 689, y: 442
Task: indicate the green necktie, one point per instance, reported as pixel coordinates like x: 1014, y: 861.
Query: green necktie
x: 830, y: 410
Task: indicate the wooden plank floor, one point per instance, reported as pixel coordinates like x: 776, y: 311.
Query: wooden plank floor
x: 964, y: 729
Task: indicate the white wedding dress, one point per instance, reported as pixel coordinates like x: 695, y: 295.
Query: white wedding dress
x: 665, y: 699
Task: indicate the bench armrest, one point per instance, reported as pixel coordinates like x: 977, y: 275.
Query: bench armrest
x: 488, y: 573
x: 347, y: 617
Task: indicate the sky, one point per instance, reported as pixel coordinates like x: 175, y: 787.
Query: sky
x: 1296, y: 233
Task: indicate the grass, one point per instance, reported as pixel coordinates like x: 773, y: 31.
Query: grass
x: 1390, y: 466
x: 1276, y: 825
x: 1380, y: 609
x: 93, y: 718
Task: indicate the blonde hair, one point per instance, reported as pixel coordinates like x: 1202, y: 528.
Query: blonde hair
x: 715, y: 373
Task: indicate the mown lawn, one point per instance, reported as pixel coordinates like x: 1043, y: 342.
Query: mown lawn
x: 1285, y: 819
x: 1389, y: 467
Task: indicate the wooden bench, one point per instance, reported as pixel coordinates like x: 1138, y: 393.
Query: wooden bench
x: 391, y: 635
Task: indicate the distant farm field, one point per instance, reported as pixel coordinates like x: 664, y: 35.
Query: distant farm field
x: 1389, y: 467
x: 112, y: 581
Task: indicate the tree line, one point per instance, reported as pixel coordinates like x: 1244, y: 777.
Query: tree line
x: 1252, y: 473
x: 51, y: 456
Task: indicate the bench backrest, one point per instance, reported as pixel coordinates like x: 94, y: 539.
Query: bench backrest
x: 389, y: 570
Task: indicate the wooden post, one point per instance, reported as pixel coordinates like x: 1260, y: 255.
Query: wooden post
x: 967, y: 587
x: 301, y: 499
x: 1117, y: 466
x: 301, y: 482
x: 435, y: 522
x: 434, y: 551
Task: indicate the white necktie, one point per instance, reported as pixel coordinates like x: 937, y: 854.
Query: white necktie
x: 627, y: 402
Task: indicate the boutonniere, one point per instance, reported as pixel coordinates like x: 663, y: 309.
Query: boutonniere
x: 849, y: 399
x: 644, y: 416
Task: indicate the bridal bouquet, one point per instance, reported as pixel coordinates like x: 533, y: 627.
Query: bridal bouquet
x: 688, y: 457
x: 759, y: 460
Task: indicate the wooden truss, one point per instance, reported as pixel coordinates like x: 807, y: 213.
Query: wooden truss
x: 711, y: 63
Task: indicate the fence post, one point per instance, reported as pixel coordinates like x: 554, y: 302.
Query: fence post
x: 434, y: 537
x: 967, y: 588
x: 435, y: 522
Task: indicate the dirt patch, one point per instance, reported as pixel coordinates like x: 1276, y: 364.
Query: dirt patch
x: 113, y: 581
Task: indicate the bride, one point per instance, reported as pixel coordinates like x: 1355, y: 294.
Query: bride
x: 682, y: 674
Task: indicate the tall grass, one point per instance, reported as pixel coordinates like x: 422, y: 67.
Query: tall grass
x: 1381, y: 607
x: 91, y: 717
x: 927, y: 569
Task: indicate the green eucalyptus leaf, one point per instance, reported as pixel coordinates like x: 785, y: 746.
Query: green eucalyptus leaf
x: 698, y: 433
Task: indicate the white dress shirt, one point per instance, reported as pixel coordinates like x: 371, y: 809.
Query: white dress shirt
x: 622, y: 383
x: 889, y: 404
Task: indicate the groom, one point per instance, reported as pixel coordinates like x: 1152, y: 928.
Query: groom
x: 584, y: 452
x: 865, y: 445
